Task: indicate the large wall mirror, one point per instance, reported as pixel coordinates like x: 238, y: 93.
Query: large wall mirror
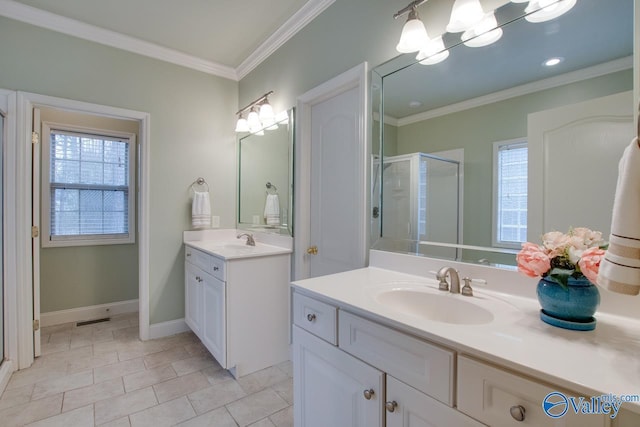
x: 265, y: 178
x: 494, y: 145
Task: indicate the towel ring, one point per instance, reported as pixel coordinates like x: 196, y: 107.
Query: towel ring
x: 271, y: 186
x: 199, y: 181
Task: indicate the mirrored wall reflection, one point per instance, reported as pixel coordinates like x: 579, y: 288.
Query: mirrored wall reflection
x: 265, y: 179
x: 500, y: 95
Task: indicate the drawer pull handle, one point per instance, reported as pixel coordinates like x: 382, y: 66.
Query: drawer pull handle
x: 517, y: 412
x: 391, y: 406
x: 368, y: 394
x: 215, y: 269
x: 311, y: 317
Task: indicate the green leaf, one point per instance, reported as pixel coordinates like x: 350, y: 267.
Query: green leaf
x: 561, y: 276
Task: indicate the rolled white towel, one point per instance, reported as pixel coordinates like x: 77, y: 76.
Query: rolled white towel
x: 620, y: 269
x: 201, y: 210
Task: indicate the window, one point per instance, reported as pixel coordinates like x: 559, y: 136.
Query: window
x: 510, y: 193
x: 87, y: 191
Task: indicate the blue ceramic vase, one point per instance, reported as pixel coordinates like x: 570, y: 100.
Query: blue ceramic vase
x: 574, y: 305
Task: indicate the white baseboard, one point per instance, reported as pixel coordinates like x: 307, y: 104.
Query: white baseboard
x: 164, y: 329
x: 81, y: 314
x: 6, y: 369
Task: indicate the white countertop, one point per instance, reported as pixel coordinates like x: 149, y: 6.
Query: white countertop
x: 606, y: 360
x: 223, y: 243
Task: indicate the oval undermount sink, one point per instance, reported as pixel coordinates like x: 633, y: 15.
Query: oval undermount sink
x: 238, y: 246
x: 439, y: 307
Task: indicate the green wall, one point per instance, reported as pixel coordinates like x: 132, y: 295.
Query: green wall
x: 484, y: 125
x: 192, y: 131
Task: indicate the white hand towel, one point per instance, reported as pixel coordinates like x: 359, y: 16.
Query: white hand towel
x: 201, y: 210
x: 272, y: 210
x: 620, y: 268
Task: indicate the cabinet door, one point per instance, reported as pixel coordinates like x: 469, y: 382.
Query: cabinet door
x: 193, y: 298
x: 329, y: 386
x: 408, y: 407
x: 215, y: 325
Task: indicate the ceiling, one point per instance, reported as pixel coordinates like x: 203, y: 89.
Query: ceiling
x: 223, y: 37
x: 595, y: 35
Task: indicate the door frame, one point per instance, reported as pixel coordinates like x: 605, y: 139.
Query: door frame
x: 24, y: 279
x: 356, y: 77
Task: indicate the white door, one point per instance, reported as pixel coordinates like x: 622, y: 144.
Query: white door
x: 407, y: 407
x: 215, y: 318
x: 194, y: 298
x: 567, y: 188
x: 332, y: 191
x: 329, y: 386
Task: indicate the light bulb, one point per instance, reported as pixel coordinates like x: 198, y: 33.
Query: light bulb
x: 546, y: 10
x: 242, y: 125
x: 266, y: 112
x: 464, y: 15
x: 414, y: 35
x: 433, y: 52
x: 484, y: 33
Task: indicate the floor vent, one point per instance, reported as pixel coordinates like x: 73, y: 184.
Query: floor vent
x: 91, y: 322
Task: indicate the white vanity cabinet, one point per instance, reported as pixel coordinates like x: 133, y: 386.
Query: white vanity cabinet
x: 239, y: 308
x: 355, y: 384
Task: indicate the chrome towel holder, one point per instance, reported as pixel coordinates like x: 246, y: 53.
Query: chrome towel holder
x: 199, y: 181
x: 270, y: 186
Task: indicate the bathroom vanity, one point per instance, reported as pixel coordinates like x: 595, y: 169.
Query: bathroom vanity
x: 237, y: 299
x: 381, y: 347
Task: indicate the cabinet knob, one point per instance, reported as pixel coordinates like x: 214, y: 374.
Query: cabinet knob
x: 517, y: 412
x: 368, y: 394
x: 311, y: 317
x: 313, y: 250
x: 198, y: 279
x: 216, y: 268
x: 188, y: 253
x: 391, y: 406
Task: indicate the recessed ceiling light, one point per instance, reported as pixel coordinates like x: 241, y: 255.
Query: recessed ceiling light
x: 415, y: 104
x: 552, y: 61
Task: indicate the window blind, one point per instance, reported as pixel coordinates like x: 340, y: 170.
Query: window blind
x: 512, y: 193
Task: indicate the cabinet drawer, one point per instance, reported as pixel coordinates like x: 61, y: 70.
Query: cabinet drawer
x: 424, y: 366
x: 316, y: 317
x: 205, y: 261
x: 488, y: 394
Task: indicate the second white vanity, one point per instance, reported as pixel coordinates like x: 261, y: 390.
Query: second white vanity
x: 369, y: 351
x: 237, y: 298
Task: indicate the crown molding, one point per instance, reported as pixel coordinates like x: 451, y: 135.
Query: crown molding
x: 290, y: 28
x: 549, y: 83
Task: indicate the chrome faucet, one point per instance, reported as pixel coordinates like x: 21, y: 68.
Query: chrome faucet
x: 249, y: 237
x: 455, y: 280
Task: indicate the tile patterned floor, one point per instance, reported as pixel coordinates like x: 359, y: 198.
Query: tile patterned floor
x: 103, y: 375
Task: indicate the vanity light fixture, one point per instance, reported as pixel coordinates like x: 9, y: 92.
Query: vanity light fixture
x: 255, y: 121
x: 464, y: 15
x: 484, y: 33
x: 546, y: 10
x: 414, y: 35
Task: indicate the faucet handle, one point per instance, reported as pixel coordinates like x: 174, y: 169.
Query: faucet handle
x: 442, y: 279
x: 467, y: 291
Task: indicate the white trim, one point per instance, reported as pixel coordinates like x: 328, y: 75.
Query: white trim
x: 25, y: 102
x: 560, y: 80
x: 290, y: 28
x: 6, y: 369
x: 165, y: 329
x: 72, y: 27
x: 92, y: 312
x: 355, y: 77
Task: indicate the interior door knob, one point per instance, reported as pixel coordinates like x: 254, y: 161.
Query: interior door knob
x: 313, y: 250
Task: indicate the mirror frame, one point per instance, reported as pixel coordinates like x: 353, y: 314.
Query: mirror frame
x: 284, y: 229
x: 396, y: 64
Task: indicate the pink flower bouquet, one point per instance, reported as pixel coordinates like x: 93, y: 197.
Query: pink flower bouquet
x: 575, y: 254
